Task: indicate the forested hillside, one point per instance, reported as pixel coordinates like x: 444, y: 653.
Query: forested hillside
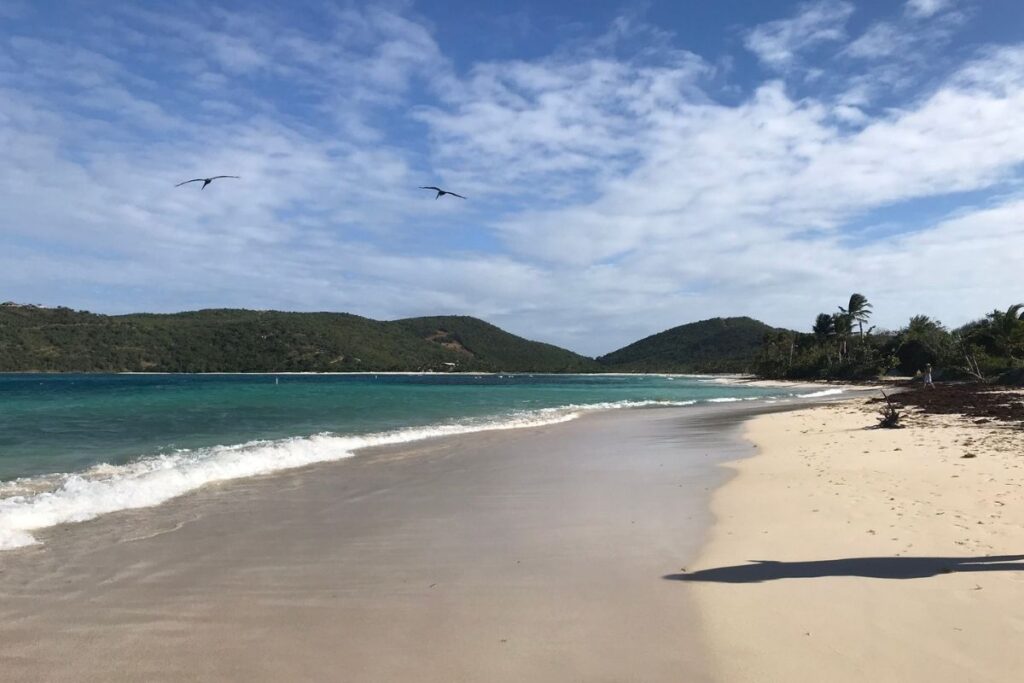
x: 238, y: 340
x: 716, y: 345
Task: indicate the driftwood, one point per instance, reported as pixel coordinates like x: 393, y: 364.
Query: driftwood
x: 890, y: 415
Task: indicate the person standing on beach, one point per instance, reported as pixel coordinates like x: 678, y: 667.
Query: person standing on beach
x: 928, y: 376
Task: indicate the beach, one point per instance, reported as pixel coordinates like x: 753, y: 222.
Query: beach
x: 531, y: 554
x: 842, y: 553
x: 735, y: 541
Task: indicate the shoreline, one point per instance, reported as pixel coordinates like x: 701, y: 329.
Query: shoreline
x: 147, y: 482
x: 847, y: 554
x: 509, y: 555
x: 721, y: 377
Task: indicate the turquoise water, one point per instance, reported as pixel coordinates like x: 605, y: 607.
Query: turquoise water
x: 63, y: 423
x: 75, y: 446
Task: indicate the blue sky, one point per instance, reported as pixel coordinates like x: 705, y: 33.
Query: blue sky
x: 629, y: 166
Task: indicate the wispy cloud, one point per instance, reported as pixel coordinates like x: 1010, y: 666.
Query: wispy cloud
x: 779, y: 43
x: 927, y: 8
x: 881, y: 40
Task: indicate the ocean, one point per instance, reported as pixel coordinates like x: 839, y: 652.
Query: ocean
x: 73, y: 447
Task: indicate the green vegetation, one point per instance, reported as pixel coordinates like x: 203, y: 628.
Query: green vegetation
x: 716, y: 345
x: 841, y: 345
x: 833, y: 350
x: 989, y: 348
x: 491, y: 346
x: 229, y: 340
x: 233, y: 340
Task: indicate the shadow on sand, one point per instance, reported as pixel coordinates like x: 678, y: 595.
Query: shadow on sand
x: 868, y: 567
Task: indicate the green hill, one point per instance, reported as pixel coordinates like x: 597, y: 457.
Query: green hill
x: 716, y: 345
x: 237, y: 340
x: 493, y: 347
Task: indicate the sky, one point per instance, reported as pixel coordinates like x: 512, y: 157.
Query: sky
x: 628, y: 166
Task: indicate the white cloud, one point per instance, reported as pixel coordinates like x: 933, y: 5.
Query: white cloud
x: 778, y: 43
x: 612, y: 194
x: 713, y: 195
x: 927, y: 8
x: 552, y: 120
x: 881, y: 40
x: 849, y: 113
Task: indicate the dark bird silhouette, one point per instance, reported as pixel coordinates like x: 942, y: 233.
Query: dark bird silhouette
x: 205, y: 181
x: 440, y: 192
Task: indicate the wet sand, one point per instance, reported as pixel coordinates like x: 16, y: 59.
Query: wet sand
x: 502, y: 556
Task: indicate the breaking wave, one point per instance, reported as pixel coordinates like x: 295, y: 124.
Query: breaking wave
x: 823, y: 392
x: 35, y: 503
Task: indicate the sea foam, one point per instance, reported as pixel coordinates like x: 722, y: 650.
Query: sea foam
x: 823, y: 392
x: 35, y: 503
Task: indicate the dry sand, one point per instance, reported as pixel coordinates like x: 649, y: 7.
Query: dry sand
x: 528, y: 555
x: 887, y: 555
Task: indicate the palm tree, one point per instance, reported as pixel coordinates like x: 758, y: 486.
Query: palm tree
x: 922, y: 327
x: 824, y: 329
x: 859, y: 310
x: 843, y: 325
x: 924, y: 340
x: 1006, y: 329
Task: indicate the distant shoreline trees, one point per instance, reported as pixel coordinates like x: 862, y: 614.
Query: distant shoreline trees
x: 987, y: 348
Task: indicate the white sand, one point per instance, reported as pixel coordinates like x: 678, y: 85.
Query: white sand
x: 823, y: 493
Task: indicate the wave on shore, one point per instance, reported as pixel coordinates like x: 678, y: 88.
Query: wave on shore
x: 823, y: 392
x: 34, y: 503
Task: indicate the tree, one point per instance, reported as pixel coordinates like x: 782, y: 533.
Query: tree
x: 923, y: 341
x: 776, y: 354
x: 970, y: 357
x: 843, y: 325
x: 1006, y: 330
x: 824, y: 327
x: 859, y: 311
x: 824, y: 330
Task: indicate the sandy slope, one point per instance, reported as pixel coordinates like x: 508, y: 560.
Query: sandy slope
x: 888, y: 555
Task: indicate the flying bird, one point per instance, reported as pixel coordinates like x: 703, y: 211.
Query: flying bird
x: 205, y: 181
x: 441, y: 192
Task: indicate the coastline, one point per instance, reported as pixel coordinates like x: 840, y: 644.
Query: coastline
x: 847, y: 554
x: 33, y: 503
x: 531, y: 554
